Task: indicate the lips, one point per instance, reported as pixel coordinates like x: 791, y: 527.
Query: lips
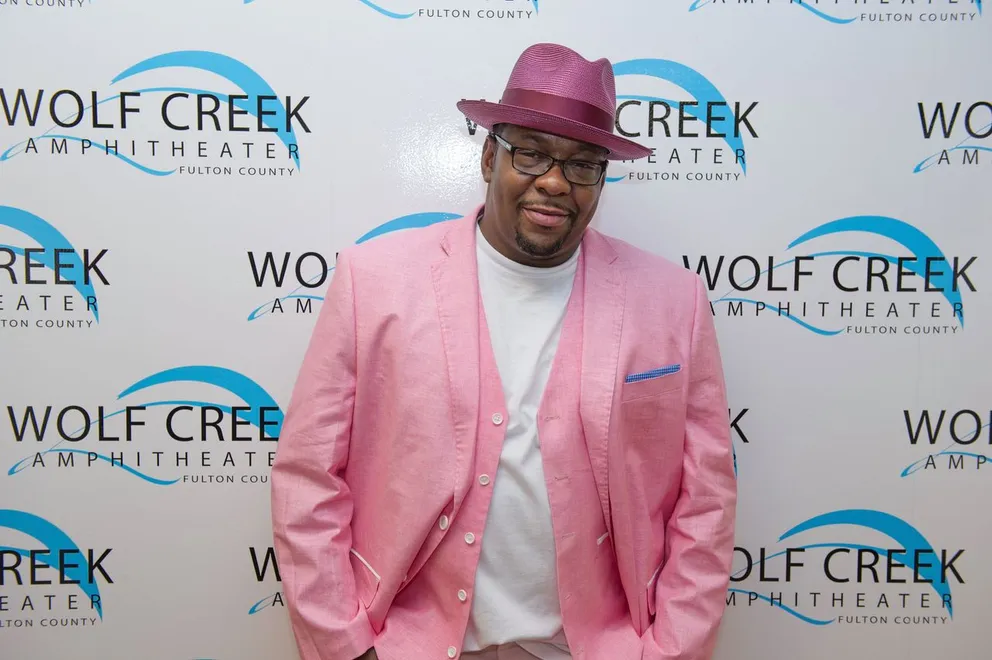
x: 545, y: 216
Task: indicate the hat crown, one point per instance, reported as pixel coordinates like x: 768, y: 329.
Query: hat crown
x: 560, y: 71
x: 555, y: 90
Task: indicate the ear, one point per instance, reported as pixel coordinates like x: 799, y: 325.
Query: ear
x: 488, y: 159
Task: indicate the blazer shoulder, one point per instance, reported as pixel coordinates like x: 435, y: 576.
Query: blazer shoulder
x: 396, y: 250
x: 650, y: 268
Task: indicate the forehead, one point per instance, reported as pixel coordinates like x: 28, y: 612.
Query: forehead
x: 549, y: 141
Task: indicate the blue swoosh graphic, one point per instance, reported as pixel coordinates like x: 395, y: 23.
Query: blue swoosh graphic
x: 852, y: 546
x: 232, y: 70
x: 384, y: 12
x: 690, y: 80
x: 258, y: 312
x: 411, y: 221
x: 414, y: 220
x: 17, y: 467
x: 268, y: 600
x: 7, y: 155
x: 898, y: 530
x: 55, y: 540
x: 927, y: 162
x: 820, y: 331
x: 691, y: 112
x: 224, y: 64
x: 391, y: 14
x: 918, y: 243
x: 825, y: 16
x: 698, y: 4
x: 51, y: 239
x: 226, y: 379
x: 914, y: 467
x: 133, y: 163
x: 796, y: 613
x: 20, y: 465
x: 238, y: 384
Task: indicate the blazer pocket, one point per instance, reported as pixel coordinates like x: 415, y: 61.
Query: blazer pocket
x: 651, y: 591
x: 650, y: 383
x: 366, y: 578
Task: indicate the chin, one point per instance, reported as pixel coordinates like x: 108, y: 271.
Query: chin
x: 539, y: 246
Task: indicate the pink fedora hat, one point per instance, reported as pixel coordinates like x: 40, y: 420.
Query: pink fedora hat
x: 555, y: 90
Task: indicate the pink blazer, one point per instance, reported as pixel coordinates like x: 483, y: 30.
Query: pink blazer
x: 384, y: 414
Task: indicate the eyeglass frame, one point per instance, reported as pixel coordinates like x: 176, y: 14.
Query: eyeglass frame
x: 512, y: 149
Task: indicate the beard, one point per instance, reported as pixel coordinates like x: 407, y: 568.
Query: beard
x: 536, y: 249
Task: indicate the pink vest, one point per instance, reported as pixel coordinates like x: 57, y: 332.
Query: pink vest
x: 587, y: 569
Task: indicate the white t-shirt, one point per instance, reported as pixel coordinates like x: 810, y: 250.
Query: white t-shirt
x: 516, y: 586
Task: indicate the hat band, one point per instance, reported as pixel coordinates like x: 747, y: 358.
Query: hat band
x: 580, y: 111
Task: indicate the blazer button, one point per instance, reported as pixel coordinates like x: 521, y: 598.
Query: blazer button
x: 443, y: 523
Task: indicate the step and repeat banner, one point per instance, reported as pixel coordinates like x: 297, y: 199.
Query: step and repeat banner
x: 177, y: 177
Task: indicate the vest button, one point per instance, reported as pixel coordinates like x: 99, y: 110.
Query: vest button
x: 497, y: 419
x: 470, y: 538
x: 452, y: 651
x: 443, y: 523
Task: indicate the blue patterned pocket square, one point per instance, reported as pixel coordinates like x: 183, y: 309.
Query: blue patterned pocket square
x: 654, y: 373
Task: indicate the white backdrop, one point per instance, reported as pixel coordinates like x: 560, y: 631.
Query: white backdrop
x: 150, y: 347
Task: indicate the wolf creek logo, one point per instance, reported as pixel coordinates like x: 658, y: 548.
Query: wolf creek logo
x: 872, y: 276
x: 456, y: 10
x: 206, y: 426
x: 309, y: 272
x: 965, y: 127
x: 46, y: 283
x: 265, y: 569
x: 170, y: 127
x: 855, y: 567
x: 960, y: 436
x: 47, y: 580
x: 697, y: 137
x: 847, y: 12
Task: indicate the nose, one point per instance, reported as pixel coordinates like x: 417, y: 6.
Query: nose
x: 553, y: 182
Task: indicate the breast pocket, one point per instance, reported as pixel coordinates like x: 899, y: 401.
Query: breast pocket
x: 652, y: 415
x: 653, y: 382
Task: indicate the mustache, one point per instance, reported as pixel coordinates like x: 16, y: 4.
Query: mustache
x: 548, y: 205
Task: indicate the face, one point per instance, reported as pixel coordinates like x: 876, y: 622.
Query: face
x: 537, y: 220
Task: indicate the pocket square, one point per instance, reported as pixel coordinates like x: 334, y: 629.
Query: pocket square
x: 654, y: 373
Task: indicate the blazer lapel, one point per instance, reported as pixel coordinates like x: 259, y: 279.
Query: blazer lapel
x: 602, y: 321
x: 456, y: 288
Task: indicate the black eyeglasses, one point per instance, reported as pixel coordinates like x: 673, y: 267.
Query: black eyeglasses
x: 535, y: 163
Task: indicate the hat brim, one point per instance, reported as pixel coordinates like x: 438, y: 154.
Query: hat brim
x: 487, y: 114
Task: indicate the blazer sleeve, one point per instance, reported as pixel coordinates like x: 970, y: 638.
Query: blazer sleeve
x: 311, y: 503
x: 691, y: 588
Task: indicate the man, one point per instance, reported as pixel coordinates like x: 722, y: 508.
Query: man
x: 510, y: 435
